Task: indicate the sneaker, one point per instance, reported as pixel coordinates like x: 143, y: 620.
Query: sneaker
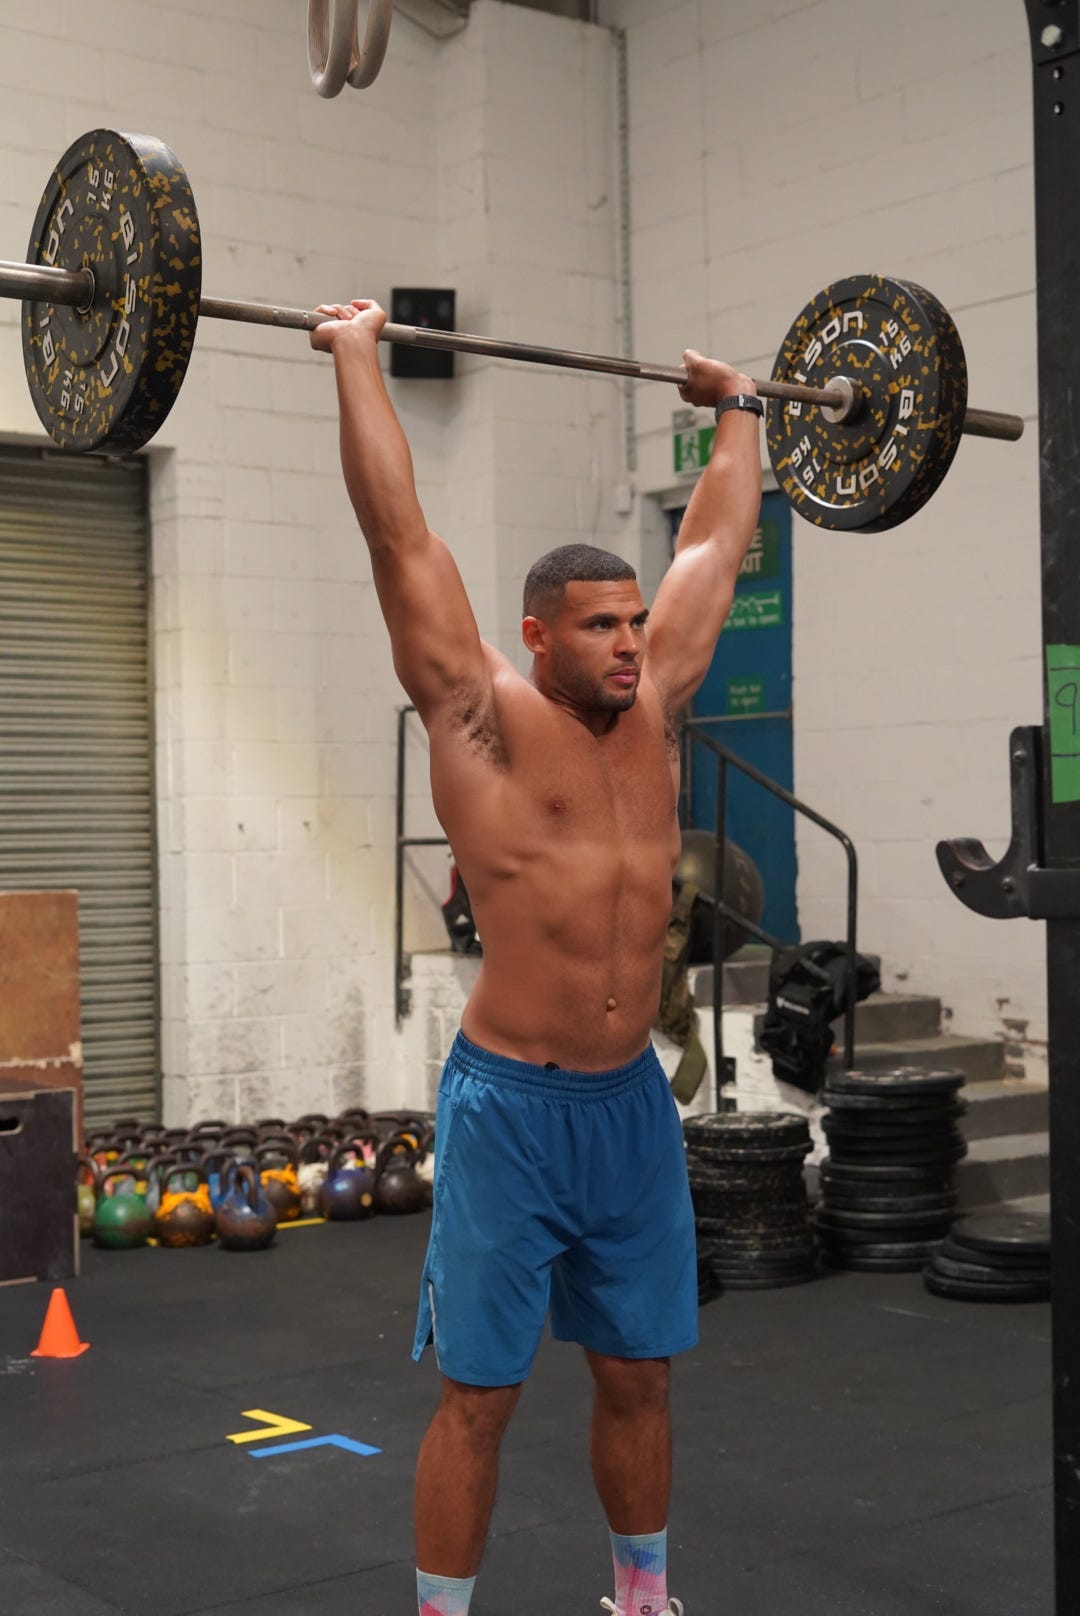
x: 673, y: 1607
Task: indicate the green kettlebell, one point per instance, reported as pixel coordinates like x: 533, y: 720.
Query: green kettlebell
x: 121, y: 1220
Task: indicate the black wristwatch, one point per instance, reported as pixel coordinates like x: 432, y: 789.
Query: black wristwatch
x: 741, y: 401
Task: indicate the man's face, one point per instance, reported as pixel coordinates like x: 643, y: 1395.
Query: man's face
x: 595, y: 645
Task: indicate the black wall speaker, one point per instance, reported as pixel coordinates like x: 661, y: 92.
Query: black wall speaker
x: 422, y: 306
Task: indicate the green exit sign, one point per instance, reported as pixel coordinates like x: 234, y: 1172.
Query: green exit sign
x: 692, y: 447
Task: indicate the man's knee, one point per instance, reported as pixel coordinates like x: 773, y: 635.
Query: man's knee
x: 631, y: 1386
x: 479, y: 1414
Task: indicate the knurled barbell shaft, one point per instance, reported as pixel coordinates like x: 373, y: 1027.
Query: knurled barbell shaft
x: 75, y: 288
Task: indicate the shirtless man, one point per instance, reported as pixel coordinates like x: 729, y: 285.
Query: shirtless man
x: 560, y: 1170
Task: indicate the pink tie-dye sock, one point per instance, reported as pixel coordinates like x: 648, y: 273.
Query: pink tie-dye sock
x: 640, y: 1574
x: 443, y: 1596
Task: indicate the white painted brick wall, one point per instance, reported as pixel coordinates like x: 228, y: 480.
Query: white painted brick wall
x: 483, y: 163
x: 915, y: 652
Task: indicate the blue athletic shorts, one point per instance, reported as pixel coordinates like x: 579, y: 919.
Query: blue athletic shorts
x: 557, y: 1188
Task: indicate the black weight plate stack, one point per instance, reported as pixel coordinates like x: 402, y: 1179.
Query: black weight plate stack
x: 887, y: 1202
x: 901, y: 353
x: 994, y: 1257
x: 708, y: 1285
x: 105, y: 376
x: 750, y: 1205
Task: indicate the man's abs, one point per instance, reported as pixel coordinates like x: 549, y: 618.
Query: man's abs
x: 567, y: 851
x: 573, y: 951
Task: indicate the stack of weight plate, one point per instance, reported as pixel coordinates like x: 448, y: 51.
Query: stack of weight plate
x: 887, y: 1200
x: 994, y: 1257
x: 750, y: 1206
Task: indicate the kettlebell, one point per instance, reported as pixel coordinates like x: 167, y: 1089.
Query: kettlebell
x: 214, y: 1165
x: 87, y: 1185
x: 204, y: 1133
x: 397, y: 1188
x: 102, y: 1148
x: 245, y: 1220
x: 185, y: 1216
x: 151, y: 1173
x: 121, y: 1220
x: 354, y: 1116
x: 277, y: 1160
x: 313, y: 1164
x: 348, y: 1192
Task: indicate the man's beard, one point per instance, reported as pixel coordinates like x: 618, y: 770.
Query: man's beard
x: 591, y: 694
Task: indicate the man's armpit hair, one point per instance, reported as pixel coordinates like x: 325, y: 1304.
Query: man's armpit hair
x: 473, y: 715
x: 672, y: 730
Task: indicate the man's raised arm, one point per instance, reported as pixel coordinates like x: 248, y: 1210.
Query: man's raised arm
x: 695, y: 596
x: 438, y: 653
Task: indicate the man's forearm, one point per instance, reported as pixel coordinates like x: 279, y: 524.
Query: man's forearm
x: 375, y: 454
x: 724, y: 506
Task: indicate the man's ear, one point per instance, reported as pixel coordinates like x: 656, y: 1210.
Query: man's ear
x: 534, y: 632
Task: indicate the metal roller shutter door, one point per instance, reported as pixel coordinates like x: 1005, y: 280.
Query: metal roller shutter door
x: 76, y: 781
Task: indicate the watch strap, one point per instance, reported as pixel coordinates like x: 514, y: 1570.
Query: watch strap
x: 740, y: 401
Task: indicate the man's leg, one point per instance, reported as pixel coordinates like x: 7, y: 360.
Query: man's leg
x: 456, y: 1475
x: 631, y: 1441
x: 631, y: 1465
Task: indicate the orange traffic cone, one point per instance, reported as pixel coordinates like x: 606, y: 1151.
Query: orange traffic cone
x: 59, y: 1337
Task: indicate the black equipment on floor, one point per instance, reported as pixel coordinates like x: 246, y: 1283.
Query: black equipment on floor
x: 807, y: 993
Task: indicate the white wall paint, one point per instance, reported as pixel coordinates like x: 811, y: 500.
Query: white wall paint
x: 486, y: 162
x: 777, y: 145
x: 480, y: 163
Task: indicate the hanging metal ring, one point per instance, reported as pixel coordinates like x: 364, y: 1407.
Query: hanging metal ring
x: 335, y: 55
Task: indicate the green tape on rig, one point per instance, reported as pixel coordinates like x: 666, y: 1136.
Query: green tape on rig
x: 1063, y: 707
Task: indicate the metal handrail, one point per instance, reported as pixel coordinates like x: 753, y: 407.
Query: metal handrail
x: 402, y: 967
x: 726, y: 759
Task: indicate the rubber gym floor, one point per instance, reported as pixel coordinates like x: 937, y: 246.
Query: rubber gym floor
x: 852, y: 1446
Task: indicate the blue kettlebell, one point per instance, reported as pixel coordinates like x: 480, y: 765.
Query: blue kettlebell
x: 348, y: 1192
x: 245, y: 1220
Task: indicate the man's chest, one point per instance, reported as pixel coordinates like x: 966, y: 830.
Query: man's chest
x: 618, y: 786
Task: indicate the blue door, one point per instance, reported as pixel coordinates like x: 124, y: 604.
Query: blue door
x: 745, y: 703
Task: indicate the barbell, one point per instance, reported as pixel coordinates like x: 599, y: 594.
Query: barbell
x: 868, y: 396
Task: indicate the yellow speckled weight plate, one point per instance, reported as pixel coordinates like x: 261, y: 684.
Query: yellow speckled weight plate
x: 106, y: 377
x: 898, y: 346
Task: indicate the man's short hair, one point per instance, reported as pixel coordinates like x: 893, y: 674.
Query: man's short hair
x: 570, y: 564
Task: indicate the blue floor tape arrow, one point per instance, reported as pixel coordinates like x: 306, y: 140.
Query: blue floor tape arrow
x: 345, y: 1442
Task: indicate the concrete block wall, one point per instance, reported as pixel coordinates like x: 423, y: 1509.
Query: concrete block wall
x: 777, y: 146
x: 486, y: 162
x: 531, y: 456
x: 275, y: 696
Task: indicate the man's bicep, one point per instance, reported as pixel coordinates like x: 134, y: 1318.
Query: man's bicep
x: 436, y: 643
x: 690, y: 609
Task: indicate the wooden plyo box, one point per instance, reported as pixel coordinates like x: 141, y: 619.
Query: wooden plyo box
x: 40, y: 1085
x: 40, y: 1228
x: 40, y: 1042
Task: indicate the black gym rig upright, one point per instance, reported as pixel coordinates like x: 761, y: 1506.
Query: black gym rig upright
x: 1040, y: 874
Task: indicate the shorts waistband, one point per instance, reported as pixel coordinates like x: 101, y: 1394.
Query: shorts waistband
x: 560, y: 1082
